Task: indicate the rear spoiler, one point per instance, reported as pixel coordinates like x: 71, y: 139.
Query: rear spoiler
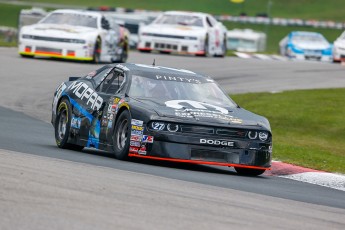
x: 73, y: 78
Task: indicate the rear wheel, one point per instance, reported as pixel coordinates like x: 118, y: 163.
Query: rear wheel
x: 124, y: 54
x: 63, y: 126
x: 121, y: 137
x: 224, y: 49
x: 206, y: 47
x: 97, y: 51
x: 249, y: 172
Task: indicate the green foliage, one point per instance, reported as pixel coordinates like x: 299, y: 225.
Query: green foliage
x: 305, y: 9
x: 308, y: 125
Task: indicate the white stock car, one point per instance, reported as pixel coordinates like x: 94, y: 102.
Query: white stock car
x: 184, y: 32
x: 76, y: 35
x: 339, y: 48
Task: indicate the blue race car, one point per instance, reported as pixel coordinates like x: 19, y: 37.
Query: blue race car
x: 306, y: 45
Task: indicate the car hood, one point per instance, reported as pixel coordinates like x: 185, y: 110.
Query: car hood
x: 57, y: 30
x: 340, y: 43
x: 312, y: 45
x: 178, y: 30
x: 199, y: 112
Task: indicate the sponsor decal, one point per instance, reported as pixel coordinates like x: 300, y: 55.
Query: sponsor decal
x: 86, y: 94
x: 179, y: 79
x: 75, y: 122
x: 110, y: 124
x: 137, y: 122
x: 104, y: 121
x: 135, y: 143
x: 116, y: 100
x: 147, y: 139
x: 142, y: 149
x: 58, y: 93
x: 133, y: 149
x: 139, y: 128
x: 110, y: 116
x: 136, y: 132
x: 217, y: 142
x: 136, y: 138
x: 201, y: 109
x: 176, y: 104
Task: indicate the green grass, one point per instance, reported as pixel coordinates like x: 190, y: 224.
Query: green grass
x: 308, y: 125
x: 9, y: 14
x: 5, y: 43
x: 305, y: 9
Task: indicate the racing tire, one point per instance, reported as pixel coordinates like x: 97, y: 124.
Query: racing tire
x: 224, y: 49
x: 206, y: 48
x: 124, y: 54
x: 26, y: 56
x: 249, y: 172
x: 122, y: 135
x: 63, y: 125
x: 97, y: 51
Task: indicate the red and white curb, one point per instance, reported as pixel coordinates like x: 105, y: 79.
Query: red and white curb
x: 293, y: 172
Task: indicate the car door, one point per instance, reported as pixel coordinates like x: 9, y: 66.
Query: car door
x: 111, y: 90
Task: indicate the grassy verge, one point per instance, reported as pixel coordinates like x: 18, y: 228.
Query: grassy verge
x: 304, y: 9
x: 5, y: 43
x: 308, y: 125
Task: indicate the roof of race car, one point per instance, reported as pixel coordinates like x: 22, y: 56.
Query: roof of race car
x: 200, y: 14
x: 91, y: 13
x: 297, y: 33
x: 152, y: 71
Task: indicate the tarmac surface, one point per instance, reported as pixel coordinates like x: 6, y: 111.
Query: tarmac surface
x: 42, y: 186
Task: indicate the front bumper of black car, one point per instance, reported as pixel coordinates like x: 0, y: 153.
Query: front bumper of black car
x: 190, y: 149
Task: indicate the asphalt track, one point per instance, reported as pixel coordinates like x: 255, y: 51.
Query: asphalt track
x: 25, y: 97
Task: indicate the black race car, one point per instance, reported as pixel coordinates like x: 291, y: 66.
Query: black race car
x: 135, y: 110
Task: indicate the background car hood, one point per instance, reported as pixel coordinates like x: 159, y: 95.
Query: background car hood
x: 208, y: 114
x: 174, y: 30
x: 312, y: 45
x: 340, y: 43
x: 57, y: 30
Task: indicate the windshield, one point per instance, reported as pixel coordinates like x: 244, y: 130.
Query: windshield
x: 308, y: 38
x: 235, y: 43
x: 71, y: 19
x: 185, y: 20
x: 207, y: 92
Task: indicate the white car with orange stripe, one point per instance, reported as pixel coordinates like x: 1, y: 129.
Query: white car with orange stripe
x: 184, y: 32
x: 76, y: 35
x: 339, y: 48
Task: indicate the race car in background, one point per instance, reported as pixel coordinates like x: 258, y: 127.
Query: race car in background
x: 339, y: 48
x: 306, y: 45
x: 160, y: 113
x: 77, y: 35
x: 184, y: 32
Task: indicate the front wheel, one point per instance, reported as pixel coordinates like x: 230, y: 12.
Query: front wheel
x: 121, y: 137
x: 249, y: 171
x: 63, y: 126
